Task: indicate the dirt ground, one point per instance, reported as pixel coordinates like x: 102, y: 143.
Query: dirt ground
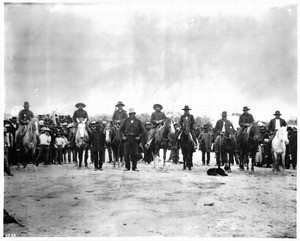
x: 60, y: 200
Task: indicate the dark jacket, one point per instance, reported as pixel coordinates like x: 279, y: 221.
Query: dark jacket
x: 228, y: 126
x: 271, y: 126
x: 157, y: 118
x: 119, y: 116
x: 132, y: 127
x: 245, y: 118
x: 190, y: 117
x: 80, y: 113
x: 97, y: 141
x: 25, y: 115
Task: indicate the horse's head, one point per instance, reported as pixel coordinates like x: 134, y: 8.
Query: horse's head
x: 186, y: 126
x: 254, y: 131
x: 81, y: 129
x: 282, y: 134
x: 108, y: 135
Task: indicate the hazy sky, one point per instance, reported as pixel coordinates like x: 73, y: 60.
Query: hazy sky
x: 210, y: 57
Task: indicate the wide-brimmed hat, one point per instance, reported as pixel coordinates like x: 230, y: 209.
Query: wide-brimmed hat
x: 245, y: 108
x: 70, y: 125
x: 80, y: 103
x: 13, y: 118
x: 205, y: 126
x: 277, y: 112
x: 45, y: 129
x: 120, y: 103
x: 26, y: 103
x: 224, y: 113
x: 157, y: 105
x: 186, y: 108
x: 131, y: 110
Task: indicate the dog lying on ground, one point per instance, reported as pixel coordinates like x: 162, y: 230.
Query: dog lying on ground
x: 216, y: 172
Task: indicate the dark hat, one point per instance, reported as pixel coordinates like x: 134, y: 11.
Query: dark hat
x: 186, y: 108
x: 119, y: 103
x: 205, y: 126
x: 277, y: 112
x: 26, y: 103
x: 157, y: 105
x: 245, y: 108
x: 14, y: 118
x: 224, y: 113
x: 78, y: 104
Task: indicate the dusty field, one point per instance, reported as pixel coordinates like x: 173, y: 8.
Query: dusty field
x: 63, y: 201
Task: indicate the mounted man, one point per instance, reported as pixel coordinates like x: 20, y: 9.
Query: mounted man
x: 274, y: 125
x: 120, y: 114
x: 190, y: 118
x: 158, y: 118
x: 246, y: 119
x: 80, y: 115
x: 25, y: 116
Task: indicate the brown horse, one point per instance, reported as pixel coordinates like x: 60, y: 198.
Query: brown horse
x: 224, y: 144
x: 248, y: 142
x: 161, y: 140
x: 186, y: 143
x: 29, y: 142
x: 114, y: 138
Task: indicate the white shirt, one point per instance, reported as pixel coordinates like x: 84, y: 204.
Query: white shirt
x: 45, y: 140
x: 277, y: 124
x: 59, y: 141
x: 223, y: 129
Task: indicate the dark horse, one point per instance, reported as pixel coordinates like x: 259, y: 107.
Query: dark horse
x: 248, y: 142
x: 114, y: 138
x: 29, y: 142
x: 162, y: 139
x: 81, y: 140
x: 186, y: 144
x: 225, y: 144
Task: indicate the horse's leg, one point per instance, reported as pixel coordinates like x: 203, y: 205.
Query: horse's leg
x: 165, y: 155
x: 80, y: 154
x: 24, y: 157
x: 190, y: 159
x: 218, y: 159
x: 252, y: 160
x: 283, y: 160
x: 274, y: 155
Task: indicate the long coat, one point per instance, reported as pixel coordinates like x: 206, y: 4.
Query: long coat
x: 97, y: 141
x: 228, y: 126
x: 187, y: 116
x: 245, y: 118
x: 271, y: 126
x: 205, y: 140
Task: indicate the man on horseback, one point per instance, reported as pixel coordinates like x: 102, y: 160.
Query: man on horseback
x: 273, y: 127
x: 80, y: 115
x: 224, y: 125
x: 132, y: 130
x: 246, y: 119
x: 190, y: 118
x: 25, y: 116
x: 157, y: 119
x: 119, y: 114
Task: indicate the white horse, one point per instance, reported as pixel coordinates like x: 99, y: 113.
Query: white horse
x: 279, y: 147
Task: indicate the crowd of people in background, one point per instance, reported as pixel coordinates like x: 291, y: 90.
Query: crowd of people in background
x: 56, y: 139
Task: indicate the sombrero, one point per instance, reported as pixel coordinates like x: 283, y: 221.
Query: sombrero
x: 78, y: 104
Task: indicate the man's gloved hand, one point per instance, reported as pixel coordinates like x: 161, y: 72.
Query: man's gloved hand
x: 124, y: 138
